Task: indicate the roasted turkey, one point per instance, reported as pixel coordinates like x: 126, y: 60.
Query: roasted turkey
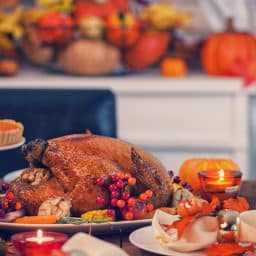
x: 68, y: 167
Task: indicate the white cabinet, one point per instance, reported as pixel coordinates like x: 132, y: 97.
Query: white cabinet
x: 175, y: 119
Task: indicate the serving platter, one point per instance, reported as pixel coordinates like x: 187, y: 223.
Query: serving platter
x: 13, y: 146
x: 144, y: 239
x: 94, y: 228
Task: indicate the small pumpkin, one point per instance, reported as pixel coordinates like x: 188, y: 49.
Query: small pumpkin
x: 173, y: 67
x: 122, y: 30
x: 189, y: 169
x: 148, y: 50
x: 222, y: 52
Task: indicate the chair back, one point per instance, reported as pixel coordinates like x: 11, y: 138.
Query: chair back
x: 50, y: 113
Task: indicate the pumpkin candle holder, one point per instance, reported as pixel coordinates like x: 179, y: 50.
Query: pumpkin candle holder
x: 224, y: 184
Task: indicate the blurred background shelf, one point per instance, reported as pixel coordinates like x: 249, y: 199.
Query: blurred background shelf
x: 196, y: 116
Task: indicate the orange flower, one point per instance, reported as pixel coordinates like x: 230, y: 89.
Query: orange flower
x: 239, y: 204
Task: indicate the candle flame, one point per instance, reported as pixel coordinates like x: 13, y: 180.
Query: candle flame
x: 221, y: 175
x: 40, y: 236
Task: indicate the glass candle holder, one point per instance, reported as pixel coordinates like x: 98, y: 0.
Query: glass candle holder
x: 37, y: 243
x: 224, y: 184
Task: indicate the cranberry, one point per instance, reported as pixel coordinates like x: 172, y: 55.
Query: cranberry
x: 125, y: 196
x: 111, y: 213
x: 113, y: 178
x: 100, y: 182
x: 114, y: 194
x: 114, y: 202
x: 9, y: 195
x: 100, y: 200
x: 112, y: 187
x: 120, y: 184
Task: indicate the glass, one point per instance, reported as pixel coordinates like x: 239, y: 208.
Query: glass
x: 224, y: 184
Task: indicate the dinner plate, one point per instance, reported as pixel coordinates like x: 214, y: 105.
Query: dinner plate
x: 144, y: 239
x: 12, y: 146
x: 10, y: 176
x: 94, y: 228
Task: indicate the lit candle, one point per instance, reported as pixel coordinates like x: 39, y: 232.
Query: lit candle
x: 221, y: 183
x: 40, y: 238
x: 38, y: 243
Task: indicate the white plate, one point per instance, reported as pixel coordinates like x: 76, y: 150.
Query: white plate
x: 10, y: 176
x: 144, y: 239
x: 96, y: 228
x: 16, y: 145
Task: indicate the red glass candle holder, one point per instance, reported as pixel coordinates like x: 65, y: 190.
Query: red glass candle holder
x: 221, y: 183
x: 38, y: 244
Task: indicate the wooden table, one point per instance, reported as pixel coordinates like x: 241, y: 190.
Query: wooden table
x: 248, y: 190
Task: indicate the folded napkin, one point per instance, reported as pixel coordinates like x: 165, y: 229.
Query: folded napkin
x: 91, y: 246
x: 198, y: 235
x: 247, y: 229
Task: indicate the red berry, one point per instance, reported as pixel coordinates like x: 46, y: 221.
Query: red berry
x: 5, y: 186
x: 114, y: 194
x: 127, y: 176
x: 120, y: 175
x: 5, y: 204
x: 143, y: 196
x: 9, y: 195
x: 128, y: 215
x: 131, y: 201
x: 100, y: 182
x: 114, y: 202
x: 100, y: 200
x: 132, y: 181
x: 112, y: 187
x: 111, y: 213
x: 125, y: 196
x: 17, y: 206
x: 149, y: 193
x: 113, y: 178
x: 121, y: 203
x: 119, y: 184
x: 150, y: 207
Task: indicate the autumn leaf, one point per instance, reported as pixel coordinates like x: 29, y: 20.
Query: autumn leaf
x: 239, y: 204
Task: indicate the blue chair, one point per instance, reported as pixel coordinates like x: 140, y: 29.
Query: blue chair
x: 50, y: 113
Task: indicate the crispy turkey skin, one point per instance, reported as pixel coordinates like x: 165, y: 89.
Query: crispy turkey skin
x: 74, y: 162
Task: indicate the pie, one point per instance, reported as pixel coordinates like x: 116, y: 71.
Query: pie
x: 11, y: 132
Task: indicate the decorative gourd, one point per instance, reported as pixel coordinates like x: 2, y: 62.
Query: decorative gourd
x: 85, y: 8
x: 189, y: 170
x: 87, y: 57
x: 122, y: 30
x: 148, y: 50
x: 224, y: 52
x: 55, y: 27
x: 173, y: 67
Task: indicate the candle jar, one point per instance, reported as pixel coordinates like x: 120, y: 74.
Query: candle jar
x: 224, y: 184
x: 29, y: 244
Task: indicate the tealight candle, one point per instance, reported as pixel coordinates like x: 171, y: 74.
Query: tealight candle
x: 221, y: 183
x: 38, y: 243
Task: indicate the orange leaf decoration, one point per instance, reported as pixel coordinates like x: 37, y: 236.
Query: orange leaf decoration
x: 228, y: 249
x: 239, y: 204
x: 209, y: 207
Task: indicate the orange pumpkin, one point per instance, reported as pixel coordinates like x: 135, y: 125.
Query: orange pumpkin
x: 122, y: 30
x: 223, y: 52
x: 189, y: 170
x: 148, y: 50
x: 173, y: 67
